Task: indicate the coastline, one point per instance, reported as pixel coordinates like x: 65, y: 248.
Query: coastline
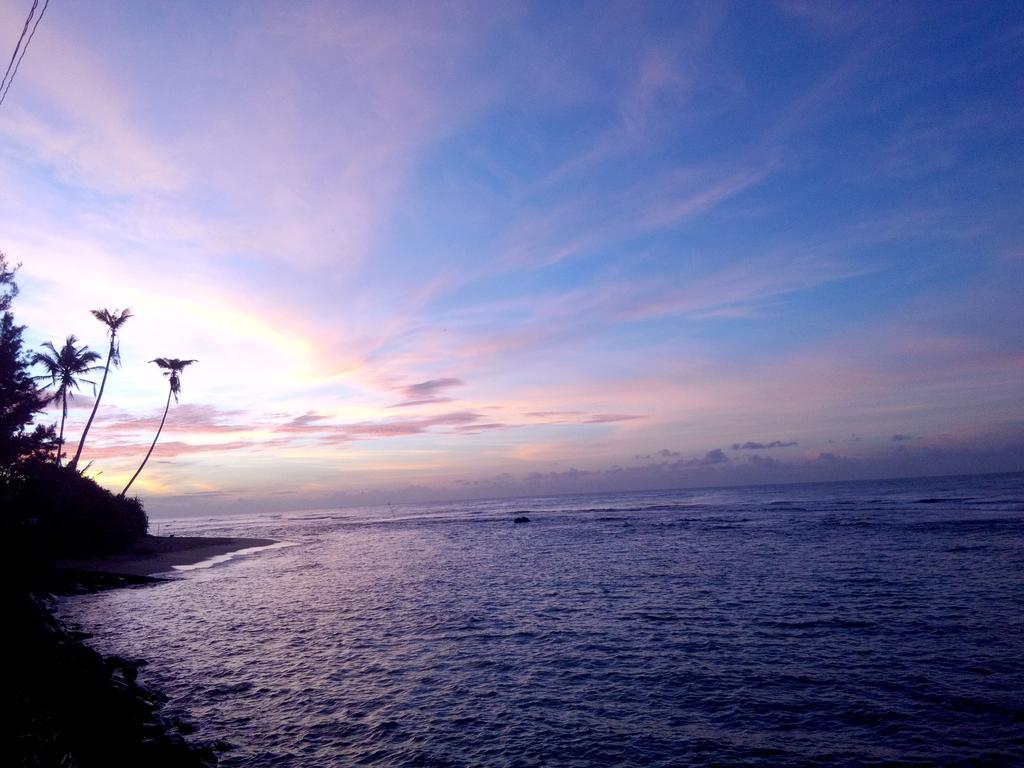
x: 160, y: 554
x: 69, y: 701
x: 66, y: 704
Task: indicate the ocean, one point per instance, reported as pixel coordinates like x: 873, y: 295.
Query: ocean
x: 834, y: 624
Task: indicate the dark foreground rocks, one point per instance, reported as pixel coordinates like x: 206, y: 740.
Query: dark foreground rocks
x: 66, y: 705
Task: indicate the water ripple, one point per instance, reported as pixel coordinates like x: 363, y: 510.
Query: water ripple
x: 849, y: 624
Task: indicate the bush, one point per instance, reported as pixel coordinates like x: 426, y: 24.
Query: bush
x: 59, y: 512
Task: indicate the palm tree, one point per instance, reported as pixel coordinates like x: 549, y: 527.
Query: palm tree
x: 172, y: 369
x: 113, y: 320
x: 64, y: 369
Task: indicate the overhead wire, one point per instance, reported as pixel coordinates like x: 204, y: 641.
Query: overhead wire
x: 14, y: 55
x: 5, y: 85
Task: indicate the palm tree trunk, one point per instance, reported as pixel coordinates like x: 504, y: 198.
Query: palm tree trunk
x: 63, y: 418
x: 159, y: 430
x: 88, y: 424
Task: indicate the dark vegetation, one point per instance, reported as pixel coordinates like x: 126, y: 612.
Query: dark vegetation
x: 49, y: 509
x: 64, y: 513
x: 63, y: 704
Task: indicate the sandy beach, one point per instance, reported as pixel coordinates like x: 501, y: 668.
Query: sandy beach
x: 159, y: 554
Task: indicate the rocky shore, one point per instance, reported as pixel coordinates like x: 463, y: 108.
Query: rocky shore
x: 66, y: 705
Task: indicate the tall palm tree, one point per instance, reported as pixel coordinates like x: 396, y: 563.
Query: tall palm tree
x: 172, y: 369
x: 113, y: 320
x: 64, y: 369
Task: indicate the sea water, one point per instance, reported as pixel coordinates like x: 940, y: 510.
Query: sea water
x: 843, y: 623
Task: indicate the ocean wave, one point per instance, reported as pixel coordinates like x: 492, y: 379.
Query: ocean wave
x: 753, y: 630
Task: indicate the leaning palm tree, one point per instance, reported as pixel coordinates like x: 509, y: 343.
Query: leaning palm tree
x: 113, y: 320
x: 172, y: 369
x: 65, y: 369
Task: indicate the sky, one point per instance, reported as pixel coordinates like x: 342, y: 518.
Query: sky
x: 429, y: 251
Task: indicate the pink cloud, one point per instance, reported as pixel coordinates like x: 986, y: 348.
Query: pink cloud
x: 186, y: 417
x: 310, y: 425
x: 429, y: 391
x: 609, y: 418
x: 168, y: 449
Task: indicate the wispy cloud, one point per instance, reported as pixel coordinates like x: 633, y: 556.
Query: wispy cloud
x: 89, y: 130
x: 186, y: 417
x: 427, y: 392
x: 608, y: 418
x: 751, y: 445
x: 444, y: 244
x: 166, y: 449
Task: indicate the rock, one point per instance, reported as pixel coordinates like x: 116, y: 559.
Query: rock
x: 521, y: 519
x: 128, y: 669
x: 181, y: 726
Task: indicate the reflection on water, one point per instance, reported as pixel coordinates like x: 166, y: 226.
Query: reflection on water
x: 841, y: 623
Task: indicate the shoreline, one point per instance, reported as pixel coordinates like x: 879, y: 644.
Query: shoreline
x: 67, y: 704
x: 160, y: 554
x: 74, y: 701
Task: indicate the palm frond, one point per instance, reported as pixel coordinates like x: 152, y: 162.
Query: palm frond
x: 76, y: 382
x: 172, y: 363
x: 64, y: 366
x: 173, y: 367
x: 51, y: 375
x: 50, y: 361
x: 112, y: 319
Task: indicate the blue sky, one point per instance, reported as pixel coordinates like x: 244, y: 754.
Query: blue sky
x: 431, y: 251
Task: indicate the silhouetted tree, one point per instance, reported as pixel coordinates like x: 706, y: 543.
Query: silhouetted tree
x: 8, y: 288
x: 64, y: 369
x: 46, y: 509
x: 20, y: 398
x: 172, y: 369
x: 113, y: 320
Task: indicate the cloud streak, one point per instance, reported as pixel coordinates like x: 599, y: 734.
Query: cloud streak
x: 752, y: 445
x: 427, y: 392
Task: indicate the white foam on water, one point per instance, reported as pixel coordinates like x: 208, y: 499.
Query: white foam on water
x: 218, y: 559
